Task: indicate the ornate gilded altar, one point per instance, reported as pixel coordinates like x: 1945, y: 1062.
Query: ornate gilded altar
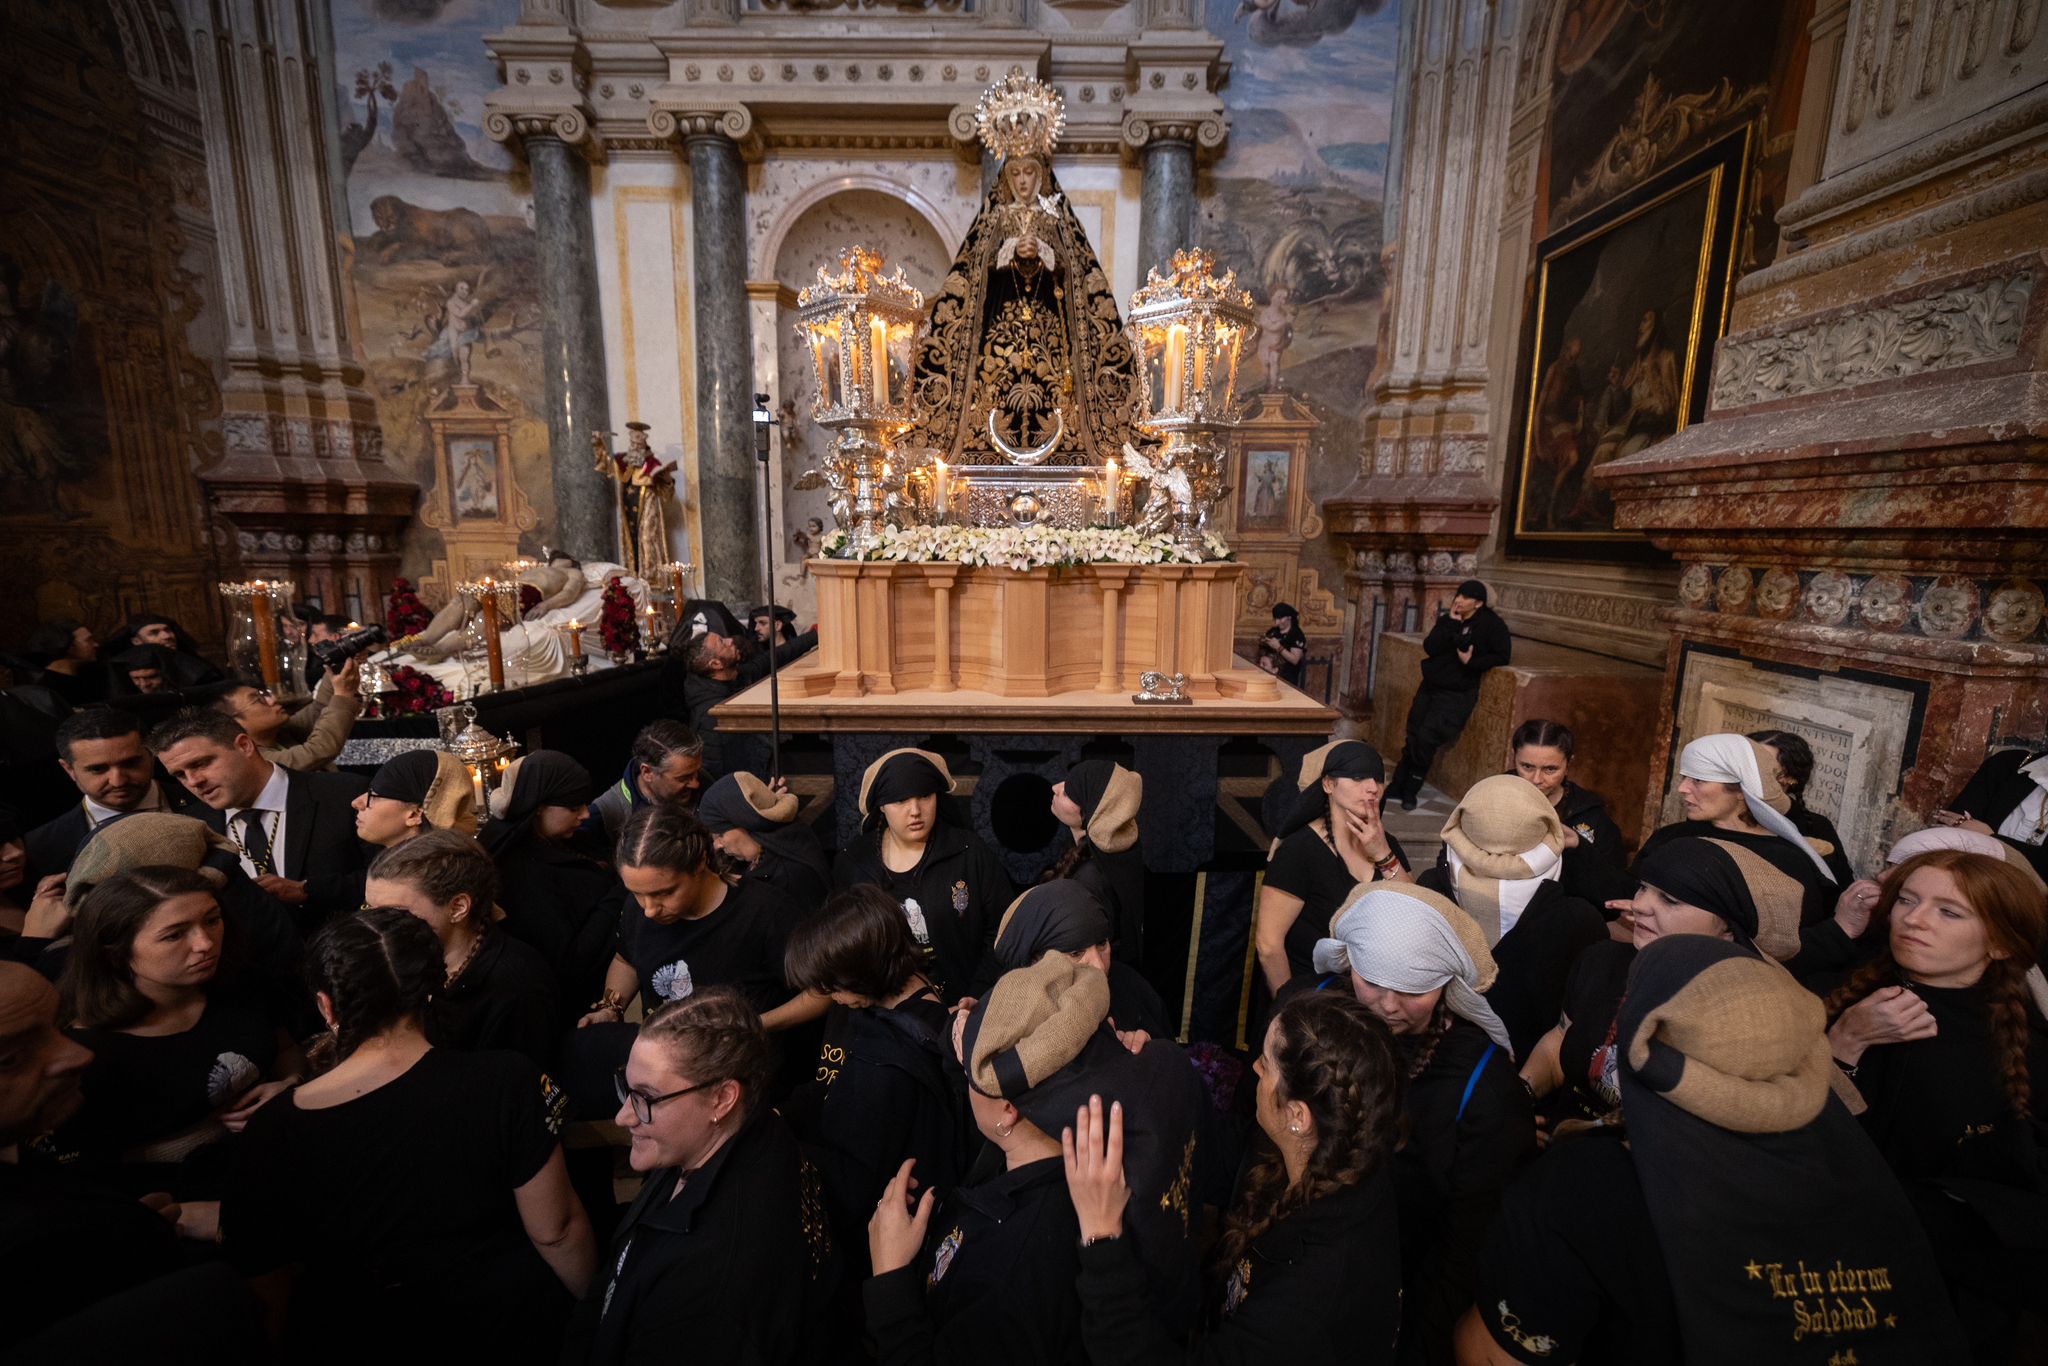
x: 1023, y: 484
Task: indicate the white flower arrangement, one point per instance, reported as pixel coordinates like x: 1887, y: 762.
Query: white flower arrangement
x: 1022, y: 548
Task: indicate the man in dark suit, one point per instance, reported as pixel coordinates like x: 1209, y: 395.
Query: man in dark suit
x: 102, y: 752
x: 295, y: 832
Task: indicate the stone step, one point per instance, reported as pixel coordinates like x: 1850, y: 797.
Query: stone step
x: 1421, y: 830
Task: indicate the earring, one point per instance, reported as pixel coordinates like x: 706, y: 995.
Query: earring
x: 1294, y: 1128
x: 1005, y: 1130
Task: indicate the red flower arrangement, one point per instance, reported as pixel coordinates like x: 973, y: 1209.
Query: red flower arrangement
x: 404, y: 613
x: 417, y: 693
x: 619, y: 631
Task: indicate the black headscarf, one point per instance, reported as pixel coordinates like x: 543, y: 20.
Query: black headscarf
x: 542, y: 778
x: 1087, y: 783
x: 901, y: 777
x: 1291, y: 803
x: 1061, y: 916
x: 1786, y: 1236
x: 1702, y: 874
x: 1758, y: 899
x: 407, y: 777
x: 724, y: 806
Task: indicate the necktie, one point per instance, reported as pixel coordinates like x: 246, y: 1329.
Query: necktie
x: 255, y: 841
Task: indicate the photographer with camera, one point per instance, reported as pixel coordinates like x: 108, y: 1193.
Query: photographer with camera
x: 311, y: 737
x: 1282, y: 649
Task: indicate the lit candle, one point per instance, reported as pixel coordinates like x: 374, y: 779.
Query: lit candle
x: 879, y: 334
x: 1176, y: 353
x: 939, y: 489
x: 576, y: 638
x: 476, y: 776
x: 1109, y: 494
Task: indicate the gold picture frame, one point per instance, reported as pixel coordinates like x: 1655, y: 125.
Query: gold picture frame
x: 1628, y: 304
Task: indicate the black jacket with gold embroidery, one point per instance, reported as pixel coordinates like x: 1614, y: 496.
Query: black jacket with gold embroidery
x: 737, y: 1267
x: 1322, y: 1284
x: 995, y: 1283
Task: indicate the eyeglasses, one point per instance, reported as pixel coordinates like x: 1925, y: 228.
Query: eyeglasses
x: 642, y: 1103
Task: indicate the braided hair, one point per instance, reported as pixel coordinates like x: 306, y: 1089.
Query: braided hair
x: 378, y: 969
x: 715, y: 1035
x: 1335, y: 1058
x: 2011, y: 910
x: 664, y: 835
x: 1081, y: 851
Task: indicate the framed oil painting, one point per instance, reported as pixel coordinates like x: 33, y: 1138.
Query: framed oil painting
x: 474, y: 461
x: 1266, y: 495
x: 1628, y: 304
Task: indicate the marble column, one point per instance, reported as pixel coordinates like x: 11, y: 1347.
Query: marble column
x: 573, y: 387
x: 1166, y: 207
x: 726, y: 482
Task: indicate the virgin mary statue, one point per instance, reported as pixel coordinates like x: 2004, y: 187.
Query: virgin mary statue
x: 1026, y: 361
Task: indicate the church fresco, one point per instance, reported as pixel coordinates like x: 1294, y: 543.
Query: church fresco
x: 439, y: 239
x: 1293, y: 206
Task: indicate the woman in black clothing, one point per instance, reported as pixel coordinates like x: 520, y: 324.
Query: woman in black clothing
x: 1543, y: 753
x: 695, y: 925
x: 1795, y: 770
x: 178, y: 1066
x: 1308, y: 1263
x: 499, y: 993
x: 881, y: 1094
x: 1330, y: 839
x: 1098, y: 802
x: 986, y: 1271
x: 1942, y: 1037
x: 1745, y: 1220
x: 1421, y: 966
x: 726, y: 1253
x: 1730, y: 791
x: 756, y: 827
x: 947, y: 881
x: 557, y: 896
x: 420, y: 790
x: 1709, y: 887
x: 2007, y: 797
x: 1503, y: 848
x: 408, y: 1184
x: 1064, y: 917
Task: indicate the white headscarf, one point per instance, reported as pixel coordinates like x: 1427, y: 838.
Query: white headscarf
x: 1406, y: 940
x: 1730, y: 758
x: 1943, y: 837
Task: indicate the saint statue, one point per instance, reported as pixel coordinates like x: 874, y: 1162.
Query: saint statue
x: 1026, y: 361
x: 649, y: 481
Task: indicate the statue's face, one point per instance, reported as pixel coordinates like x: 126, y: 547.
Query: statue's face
x: 1023, y: 178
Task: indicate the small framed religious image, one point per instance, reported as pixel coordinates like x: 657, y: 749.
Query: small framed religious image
x: 1629, y: 302
x: 474, y: 461
x: 1265, y: 497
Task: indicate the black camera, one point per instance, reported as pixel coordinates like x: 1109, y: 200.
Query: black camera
x: 332, y: 654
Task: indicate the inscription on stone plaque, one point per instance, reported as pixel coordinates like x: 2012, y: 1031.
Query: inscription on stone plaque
x: 1833, y: 748
x: 1857, y: 730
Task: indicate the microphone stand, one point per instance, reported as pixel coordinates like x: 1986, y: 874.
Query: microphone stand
x: 764, y: 419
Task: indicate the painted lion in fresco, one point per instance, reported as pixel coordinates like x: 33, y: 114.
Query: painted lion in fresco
x: 449, y: 236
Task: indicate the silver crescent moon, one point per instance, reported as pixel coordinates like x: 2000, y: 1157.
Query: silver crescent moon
x: 1034, y: 454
